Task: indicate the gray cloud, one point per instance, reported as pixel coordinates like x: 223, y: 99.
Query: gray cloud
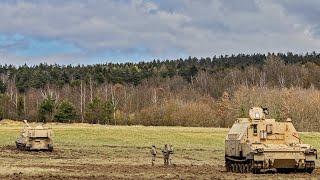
x: 164, y: 28
x: 306, y: 12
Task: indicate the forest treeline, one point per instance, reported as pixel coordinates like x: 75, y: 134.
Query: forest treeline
x: 185, y: 92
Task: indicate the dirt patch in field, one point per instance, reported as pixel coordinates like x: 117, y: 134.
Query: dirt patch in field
x: 118, y: 171
x: 81, y: 169
x: 13, y: 152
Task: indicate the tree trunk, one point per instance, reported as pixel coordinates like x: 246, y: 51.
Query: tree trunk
x: 91, y: 93
x: 81, y: 101
x: 24, y: 106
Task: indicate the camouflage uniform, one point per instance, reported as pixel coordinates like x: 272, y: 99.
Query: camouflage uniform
x: 167, y: 151
x: 153, y: 152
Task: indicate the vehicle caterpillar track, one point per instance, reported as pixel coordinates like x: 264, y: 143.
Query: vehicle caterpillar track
x: 35, y: 138
x: 260, y: 145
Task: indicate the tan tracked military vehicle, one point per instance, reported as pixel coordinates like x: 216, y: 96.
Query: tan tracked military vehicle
x: 35, y: 138
x: 257, y: 144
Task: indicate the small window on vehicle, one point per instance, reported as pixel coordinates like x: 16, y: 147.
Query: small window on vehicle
x: 263, y: 134
x: 269, y: 128
x: 255, y: 129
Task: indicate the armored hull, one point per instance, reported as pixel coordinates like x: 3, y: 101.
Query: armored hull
x: 258, y: 145
x: 37, y: 138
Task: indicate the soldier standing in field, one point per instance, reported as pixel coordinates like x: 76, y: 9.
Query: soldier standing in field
x: 167, y: 151
x: 153, y: 152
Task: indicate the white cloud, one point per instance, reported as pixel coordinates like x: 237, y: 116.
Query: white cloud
x: 164, y: 28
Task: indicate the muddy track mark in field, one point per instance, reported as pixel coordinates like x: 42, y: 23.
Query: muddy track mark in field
x: 118, y: 171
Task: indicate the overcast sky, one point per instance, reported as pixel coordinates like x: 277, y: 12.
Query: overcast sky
x: 98, y: 31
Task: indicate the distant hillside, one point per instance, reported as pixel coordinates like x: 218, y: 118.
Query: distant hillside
x: 41, y: 75
x: 153, y: 93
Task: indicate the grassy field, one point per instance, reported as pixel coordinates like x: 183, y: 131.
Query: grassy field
x: 108, y: 152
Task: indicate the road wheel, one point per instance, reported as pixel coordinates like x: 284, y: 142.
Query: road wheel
x: 237, y: 168
x: 254, y: 171
x: 227, y: 166
x: 310, y: 170
x: 246, y: 168
x: 243, y: 168
x: 309, y: 167
x: 233, y: 167
x: 50, y: 147
x: 250, y: 168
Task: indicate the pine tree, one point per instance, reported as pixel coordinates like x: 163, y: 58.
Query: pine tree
x: 20, y: 107
x: 46, y: 109
x: 3, y: 87
x: 65, y: 112
x: 96, y: 112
